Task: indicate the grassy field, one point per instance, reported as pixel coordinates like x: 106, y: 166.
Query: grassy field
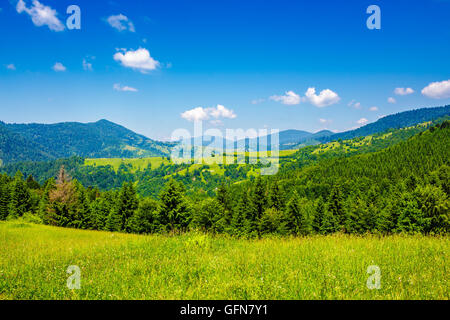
x: 155, y: 162
x: 34, y: 260
x: 137, y: 163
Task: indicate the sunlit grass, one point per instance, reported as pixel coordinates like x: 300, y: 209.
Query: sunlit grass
x: 34, y: 260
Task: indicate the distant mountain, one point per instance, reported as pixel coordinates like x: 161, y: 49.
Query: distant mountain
x: 105, y: 139
x: 101, y: 139
x: 296, y: 139
x: 394, y: 121
x: 291, y: 139
x: 15, y: 148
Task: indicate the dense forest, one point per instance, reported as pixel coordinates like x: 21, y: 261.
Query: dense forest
x: 402, y: 188
x: 202, y: 180
x: 101, y: 139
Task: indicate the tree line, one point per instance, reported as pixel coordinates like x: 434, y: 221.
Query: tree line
x: 404, y: 188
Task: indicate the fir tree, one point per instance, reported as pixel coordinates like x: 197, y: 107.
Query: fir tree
x: 20, y: 200
x: 240, y: 224
x: 4, y: 201
x: 144, y: 219
x: 335, y: 205
x: 275, y: 196
x: 173, y: 213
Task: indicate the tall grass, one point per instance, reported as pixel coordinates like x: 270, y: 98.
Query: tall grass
x: 34, y: 260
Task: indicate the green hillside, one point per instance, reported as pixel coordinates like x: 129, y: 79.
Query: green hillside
x: 150, y: 174
x: 101, y: 139
x: 402, y: 188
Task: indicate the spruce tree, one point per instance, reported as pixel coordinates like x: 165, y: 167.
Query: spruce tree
x: 144, y: 219
x: 224, y: 199
x: 126, y: 204
x: 20, y: 201
x: 174, y: 212
x: 240, y: 225
x: 4, y: 201
x: 275, y: 196
x: 258, y: 202
x: 335, y: 205
x: 318, y: 215
x: 292, y: 215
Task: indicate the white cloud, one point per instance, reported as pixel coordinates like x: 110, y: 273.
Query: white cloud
x: 221, y: 112
x: 362, y: 121
x: 437, y: 90
x: 121, y: 23
x: 87, y: 65
x: 403, y: 91
x: 59, y: 67
x: 391, y: 100
x: 201, y: 114
x: 258, y: 101
x: 325, y: 98
x: 118, y: 87
x: 11, y: 66
x: 290, y: 98
x: 41, y: 15
x: 354, y: 104
x: 138, y: 60
x: 196, y: 114
x: 373, y: 108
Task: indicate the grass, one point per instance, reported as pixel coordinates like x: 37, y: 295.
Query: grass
x: 137, y: 163
x: 34, y: 260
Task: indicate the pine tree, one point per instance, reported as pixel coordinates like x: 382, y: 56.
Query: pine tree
x: 126, y: 205
x: 173, y: 213
x: 318, y: 215
x: 4, y: 201
x: 83, y: 210
x: 411, y: 220
x: 114, y: 221
x: 144, y: 219
x: 20, y: 201
x: 435, y: 205
x: 329, y: 223
x: 101, y: 208
x: 355, y: 219
x: 275, y: 196
x: 43, y: 213
x: 271, y: 221
x: 32, y: 184
x: 335, y: 205
x: 224, y: 199
x: 209, y: 216
x: 258, y: 202
x: 240, y: 225
x: 62, y: 200
x: 292, y: 215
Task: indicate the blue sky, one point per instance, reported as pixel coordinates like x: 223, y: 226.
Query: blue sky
x: 154, y: 65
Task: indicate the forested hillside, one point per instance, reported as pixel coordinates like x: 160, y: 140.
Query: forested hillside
x: 15, y: 148
x: 104, y: 139
x: 150, y: 174
x: 394, y: 121
x: 403, y: 188
x: 101, y: 139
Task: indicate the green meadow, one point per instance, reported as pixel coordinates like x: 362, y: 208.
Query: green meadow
x: 34, y: 260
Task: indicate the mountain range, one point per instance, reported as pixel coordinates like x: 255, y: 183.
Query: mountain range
x: 101, y: 139
x: 105, y: 139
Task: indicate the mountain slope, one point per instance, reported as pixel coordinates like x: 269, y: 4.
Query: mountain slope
x: 14, y: 147
x: 101, y: 139
x: 394, y: 121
